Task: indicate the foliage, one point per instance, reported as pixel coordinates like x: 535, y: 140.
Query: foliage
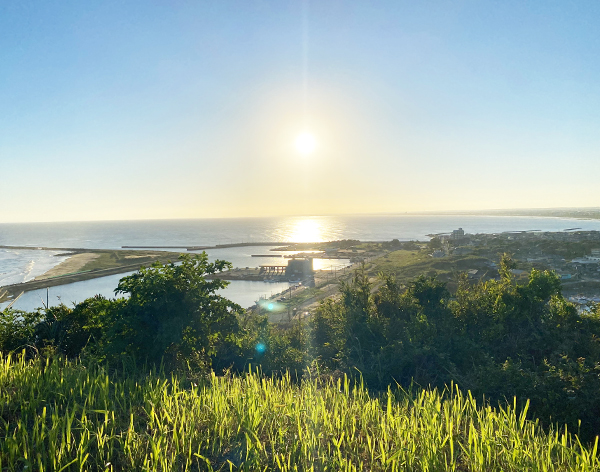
x: 171, y: 314
x: 64, y: 416
x: 434, y: 243
x: 345, y: 243
x: 497, y: 339
x: 411, y: 246
x: 392, y: 245
x: 17, y: 330
x: 174, y: 314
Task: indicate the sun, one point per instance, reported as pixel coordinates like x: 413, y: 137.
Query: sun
x: 305, y: 143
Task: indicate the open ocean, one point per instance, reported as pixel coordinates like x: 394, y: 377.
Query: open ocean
x: 114, y: 234
x: 22, y: 265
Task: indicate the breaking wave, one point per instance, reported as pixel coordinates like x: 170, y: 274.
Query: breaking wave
x: 23, y: 266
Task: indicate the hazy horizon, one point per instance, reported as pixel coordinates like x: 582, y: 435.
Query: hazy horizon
x: 177, y: 110
x: 484, y: 212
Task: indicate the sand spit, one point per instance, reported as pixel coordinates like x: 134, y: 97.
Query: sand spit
x: 72, y: 265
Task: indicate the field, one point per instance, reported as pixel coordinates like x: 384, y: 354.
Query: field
x: 64, y: 416
x: 407, y: 265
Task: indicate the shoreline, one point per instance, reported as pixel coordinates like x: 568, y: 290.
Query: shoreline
x: 85, y: 264
x: 73, y: 264
x: 15, y: 289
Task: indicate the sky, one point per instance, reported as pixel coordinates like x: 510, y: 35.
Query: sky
x: 191, y: 109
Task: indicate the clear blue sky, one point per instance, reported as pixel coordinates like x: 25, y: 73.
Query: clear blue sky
x: 169, y: 109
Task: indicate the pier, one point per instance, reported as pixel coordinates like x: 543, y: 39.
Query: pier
x: 268, y: 269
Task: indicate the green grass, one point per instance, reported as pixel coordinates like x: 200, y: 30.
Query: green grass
x: 406, y: 265
x: 64, y: 416
x: 399, y: 260
x: 302, y: 296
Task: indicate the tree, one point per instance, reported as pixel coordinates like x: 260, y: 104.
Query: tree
x: 17, y: 330
x: 499, y: 339
x: 175, y: 315
x: 434, y: 243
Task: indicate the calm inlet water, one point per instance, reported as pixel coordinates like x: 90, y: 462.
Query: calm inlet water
x: 22, y: 265
x: 244, y: 293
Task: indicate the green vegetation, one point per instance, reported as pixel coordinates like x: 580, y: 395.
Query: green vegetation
x: 498, y: 339
x: 406, y: 265
x: 302, y: 297
x: 172, y: 315
x: 434, y: 243
x: 65, y: 416
x: 85, y: 391
x: 112, y: 259
x: 524, y: 247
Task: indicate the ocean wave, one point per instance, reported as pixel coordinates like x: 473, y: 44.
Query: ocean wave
x: 28, y: 270
x: 26, y: 265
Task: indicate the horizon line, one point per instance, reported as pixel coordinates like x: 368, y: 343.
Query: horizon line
x: 317, y: 215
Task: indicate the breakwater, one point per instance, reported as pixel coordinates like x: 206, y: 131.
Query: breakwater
x: 9, y: 291
x: 216, y: 246
x: 14, y: 289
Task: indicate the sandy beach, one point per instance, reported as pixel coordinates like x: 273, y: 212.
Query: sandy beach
x: 73, y: 264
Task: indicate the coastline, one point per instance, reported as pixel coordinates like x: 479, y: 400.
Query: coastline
x: 85, y: 265
x: 73, y: 264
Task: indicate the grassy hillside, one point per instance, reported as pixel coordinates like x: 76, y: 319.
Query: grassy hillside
x: 406, y: 265
x: 65, y: 416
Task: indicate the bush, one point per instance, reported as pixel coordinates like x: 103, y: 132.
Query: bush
x: 172, y: 315
x: 497, y: 339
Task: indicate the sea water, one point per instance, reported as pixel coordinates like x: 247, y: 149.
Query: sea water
x: 22, y: 265
x: 184, y: 233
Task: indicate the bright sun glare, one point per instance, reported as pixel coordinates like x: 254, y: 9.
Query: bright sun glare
x: 306, y: 231
x: 305, y: 143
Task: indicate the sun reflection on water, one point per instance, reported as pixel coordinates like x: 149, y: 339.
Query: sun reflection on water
x: 307, y: 230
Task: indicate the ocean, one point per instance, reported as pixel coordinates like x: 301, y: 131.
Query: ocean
x: 18, y: 265
x: 114, y: 234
